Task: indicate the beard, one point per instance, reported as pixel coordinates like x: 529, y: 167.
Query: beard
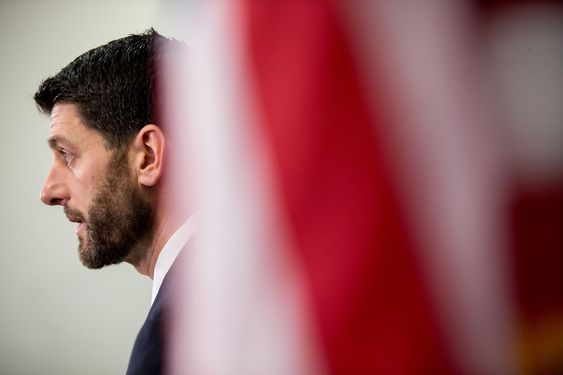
x: 118, y: 218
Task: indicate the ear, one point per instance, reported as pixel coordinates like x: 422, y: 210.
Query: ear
x: 148, y: 148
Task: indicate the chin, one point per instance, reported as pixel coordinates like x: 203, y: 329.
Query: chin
x: 95, y: 257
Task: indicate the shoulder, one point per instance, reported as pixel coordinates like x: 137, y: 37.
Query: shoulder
x: 147, y: 356
x: 147, y: 353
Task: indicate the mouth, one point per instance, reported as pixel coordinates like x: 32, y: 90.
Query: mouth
x: 79, y: 227
x: 75, y: 218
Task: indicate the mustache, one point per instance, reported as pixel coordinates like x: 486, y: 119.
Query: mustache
x: 73, y: 215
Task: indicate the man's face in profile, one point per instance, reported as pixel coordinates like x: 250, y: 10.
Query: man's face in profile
x: 96, y: 189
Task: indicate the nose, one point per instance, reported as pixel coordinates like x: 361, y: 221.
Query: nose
x: 54, y: 191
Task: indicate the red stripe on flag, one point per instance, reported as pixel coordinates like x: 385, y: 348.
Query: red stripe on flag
x: 372, y: 308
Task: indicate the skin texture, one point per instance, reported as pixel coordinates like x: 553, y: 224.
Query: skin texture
x: 116, y: 198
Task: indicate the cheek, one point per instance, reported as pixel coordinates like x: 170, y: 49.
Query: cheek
x: 86, y: 186
x: 89, y: 171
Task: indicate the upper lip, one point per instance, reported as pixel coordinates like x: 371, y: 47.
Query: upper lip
x: 73, y: 218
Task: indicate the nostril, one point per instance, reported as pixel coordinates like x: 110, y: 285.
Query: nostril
x: 50, y: 199
x: 56, y: 202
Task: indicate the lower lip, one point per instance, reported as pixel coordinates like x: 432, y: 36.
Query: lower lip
x: 79, y: 227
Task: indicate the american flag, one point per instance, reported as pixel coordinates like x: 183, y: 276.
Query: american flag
x: 367, y: 203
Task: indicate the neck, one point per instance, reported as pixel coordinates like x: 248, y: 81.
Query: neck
x: 147, y: 251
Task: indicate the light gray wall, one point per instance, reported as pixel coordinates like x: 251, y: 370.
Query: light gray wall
x: 56, y: 317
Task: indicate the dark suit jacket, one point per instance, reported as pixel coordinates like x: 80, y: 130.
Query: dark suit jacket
x: 147, y: 357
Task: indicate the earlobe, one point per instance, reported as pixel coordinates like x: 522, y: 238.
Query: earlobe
x: 150, y: 144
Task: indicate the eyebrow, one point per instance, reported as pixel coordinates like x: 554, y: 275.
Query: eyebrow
x: 56, y: 141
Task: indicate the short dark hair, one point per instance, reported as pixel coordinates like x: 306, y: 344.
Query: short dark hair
x: 114, y: 86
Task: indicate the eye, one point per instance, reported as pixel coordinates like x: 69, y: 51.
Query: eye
x: 67, y: 156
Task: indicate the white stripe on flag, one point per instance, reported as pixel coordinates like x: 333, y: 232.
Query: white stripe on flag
x: 448, y: 166
x: 246, y: 309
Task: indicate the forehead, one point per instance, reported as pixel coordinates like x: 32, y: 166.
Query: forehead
x: 68, y: 129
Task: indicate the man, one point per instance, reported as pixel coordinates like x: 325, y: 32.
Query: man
x: 110, y: 173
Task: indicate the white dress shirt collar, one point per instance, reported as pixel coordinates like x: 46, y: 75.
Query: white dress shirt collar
x: 169, y: 252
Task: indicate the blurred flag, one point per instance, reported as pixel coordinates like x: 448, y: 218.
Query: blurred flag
x: 526, y: 51
x: 354, y: 192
